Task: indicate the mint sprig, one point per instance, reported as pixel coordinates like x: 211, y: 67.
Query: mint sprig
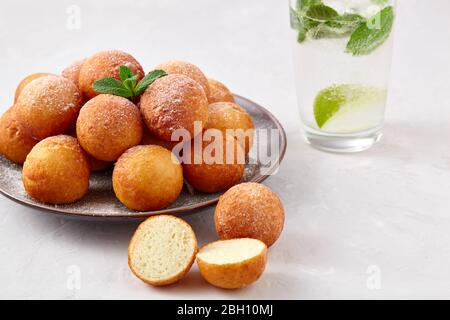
x: 372, y: 34
x: 127, y: 86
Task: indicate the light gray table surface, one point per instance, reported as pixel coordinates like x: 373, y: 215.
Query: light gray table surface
x: 369, y: 225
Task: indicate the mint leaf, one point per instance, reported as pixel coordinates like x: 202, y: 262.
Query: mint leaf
x: 125, y: 73
x: 112, y: 86
x: 305, y: 4
x: 148, y: 80
x: 130, y: 83
x: 321, y: 13
x: 372, y: 34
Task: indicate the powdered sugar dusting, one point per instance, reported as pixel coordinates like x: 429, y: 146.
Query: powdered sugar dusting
x: 101, y: 201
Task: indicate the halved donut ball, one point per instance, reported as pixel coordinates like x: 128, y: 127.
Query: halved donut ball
x: 147, y: 178
x: 108, y: 125
x: 56, y: 171
x: 174, y: 102
x: 162, y: 250
x: 49, y: 106
x: 105, y: 64
x: 232, y: 264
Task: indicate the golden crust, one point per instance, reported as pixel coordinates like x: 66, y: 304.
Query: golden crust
x: 108, y: 125
x: 26, y: 81
x: 72, y: 72
x: 233, y: 275
x: 49, y: 106
x: 15, y: 139
x: 173, y: 102
x: 168, y: 281
x: 249, y: 210
x: 229, y: 115
x: 214, y: 177
x: 105, y: 64
x: 218, y: 92
x: 147, y: 178
x: 56, y: 171
x: 188, y: 69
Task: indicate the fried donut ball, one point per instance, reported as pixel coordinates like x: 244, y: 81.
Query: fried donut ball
x: 108, y: 125
x: 105, y: 64
x: 56, y: 171
x: 218, y: 92
x: 26, y: 81
x: 228, y: 115
x: 249, y: 210
x: 147, y: 178
x: 173, y: 102
x: 187, y: 69
x: 15, y: 139
x: 49, y: 106
x: 72, y: 72
x: 216, y: 166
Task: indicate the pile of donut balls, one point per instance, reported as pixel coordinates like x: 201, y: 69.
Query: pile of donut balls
x: 61, y: 130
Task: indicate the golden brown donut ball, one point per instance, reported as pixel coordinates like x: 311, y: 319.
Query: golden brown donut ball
x: 26, y: 81
x: 212, y: 176
x: 228, y: 115
x: 218, y: 92
x: 187, y: 69
x: 105, y: 64
x: 49, y: 106
x: 173, y: 102
x: 15, y: 139
x: 108, y: 125
x: 249, y: 210
x: 147, y: 178
x: 56, y: 171
x: 72, y: 72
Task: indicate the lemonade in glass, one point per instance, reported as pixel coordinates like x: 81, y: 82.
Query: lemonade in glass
x: 342, y: 58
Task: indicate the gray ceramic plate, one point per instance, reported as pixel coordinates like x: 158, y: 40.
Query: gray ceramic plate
x: 101, y: 201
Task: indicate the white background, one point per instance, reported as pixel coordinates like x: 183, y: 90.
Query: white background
x: 371, y: 225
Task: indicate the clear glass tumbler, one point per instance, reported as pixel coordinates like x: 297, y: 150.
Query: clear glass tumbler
x: 342, y: 58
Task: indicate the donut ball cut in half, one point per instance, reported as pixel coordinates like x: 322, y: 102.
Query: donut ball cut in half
x: 72, y: 72
x: 249, y: 210
x: 49, y: 106
x: 188, y: 69
x: 218, y: 92
x: 230, y: 116
x: 174, y: 102
x: 105, y: 64
x: 162, y: 250
x: 108, y: 125
x: 147, y: 178
x: 232, y: 264
x: 26, y: 81
x: 216, y: 166
x: 15, y: 139
x: 56, y: 171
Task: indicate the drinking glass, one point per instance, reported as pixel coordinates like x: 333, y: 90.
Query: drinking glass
x: 342, y: 58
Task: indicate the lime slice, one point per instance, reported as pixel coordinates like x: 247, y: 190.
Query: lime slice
x: 348, y: 108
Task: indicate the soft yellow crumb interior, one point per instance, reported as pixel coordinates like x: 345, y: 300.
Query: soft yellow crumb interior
x: 231, y: 251
x: 163, y: 248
